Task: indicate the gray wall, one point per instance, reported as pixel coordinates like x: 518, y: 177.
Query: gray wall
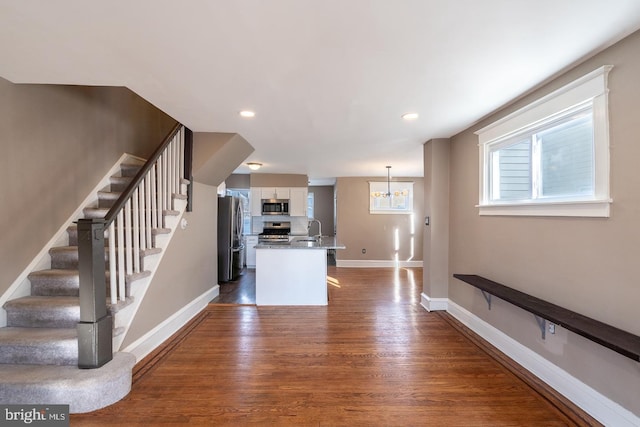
x: 278, y: 180
x: 57, y: 143
x: 189, y: 267
x: 323, y: 207
x: 357, y: 229
x: 436, y: 205
x: 584, y: 264
x: 238, y: 181
x: 216, y: 155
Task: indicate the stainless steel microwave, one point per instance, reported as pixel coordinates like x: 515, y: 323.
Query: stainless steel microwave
x: 275, y: 207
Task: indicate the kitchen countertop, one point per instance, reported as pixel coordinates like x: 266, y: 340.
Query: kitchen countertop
x: 304, y: 242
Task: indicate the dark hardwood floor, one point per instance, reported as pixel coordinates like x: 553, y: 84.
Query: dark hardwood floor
x: 372, y: 357
x: 240, y: 291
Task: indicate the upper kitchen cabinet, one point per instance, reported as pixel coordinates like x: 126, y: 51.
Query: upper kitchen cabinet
x: 274, y: 193
x: 298, y: 201
x: 255, y: 199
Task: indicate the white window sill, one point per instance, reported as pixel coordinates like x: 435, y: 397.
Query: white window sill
x: 590, y: 208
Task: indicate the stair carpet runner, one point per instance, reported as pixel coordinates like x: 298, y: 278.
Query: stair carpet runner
x: 41, y: 328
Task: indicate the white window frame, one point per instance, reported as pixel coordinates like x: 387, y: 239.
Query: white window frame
x: 396, y: 203
x: 592, y: 86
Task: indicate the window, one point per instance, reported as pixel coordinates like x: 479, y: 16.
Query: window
x: 551, y: 157
x: 390, y: 197
x: 310, y: 205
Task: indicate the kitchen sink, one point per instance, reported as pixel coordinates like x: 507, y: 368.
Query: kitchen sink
x: 308, y: 239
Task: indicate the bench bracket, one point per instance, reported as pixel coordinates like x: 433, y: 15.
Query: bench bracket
x: 487, y: 297
x: 542, y: 324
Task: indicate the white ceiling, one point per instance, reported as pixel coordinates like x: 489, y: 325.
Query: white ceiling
x: 328, y: 79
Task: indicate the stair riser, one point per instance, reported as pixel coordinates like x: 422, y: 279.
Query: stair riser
x: 43, y: 318
x: 94, y: 213
x: 119, y: 184
x: 69, y: 260
x: 129, y: 170
x: 55, y: 286
x: 45, y: 289
x: 107, y: 200
x: 56, y: 353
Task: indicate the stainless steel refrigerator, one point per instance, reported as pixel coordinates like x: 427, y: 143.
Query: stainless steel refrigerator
x: 230, y: 244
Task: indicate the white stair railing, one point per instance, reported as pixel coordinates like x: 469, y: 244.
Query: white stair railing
x: 142, y: 214
x: 130, y: 227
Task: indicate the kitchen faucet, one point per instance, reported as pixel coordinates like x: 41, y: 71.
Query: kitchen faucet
x: 311, y: 221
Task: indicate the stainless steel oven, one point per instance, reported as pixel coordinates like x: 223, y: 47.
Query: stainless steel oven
x: 275, y: 232
x: 275, y: 207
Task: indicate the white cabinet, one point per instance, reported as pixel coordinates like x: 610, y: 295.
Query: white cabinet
x: 256, y: 201
x: 297, y: 197
x: 250, y: 250
x: 274, y: 192
x: 298, y: 201
x: 291, y: 277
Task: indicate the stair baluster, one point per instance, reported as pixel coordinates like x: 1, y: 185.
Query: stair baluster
x: 129, y: 223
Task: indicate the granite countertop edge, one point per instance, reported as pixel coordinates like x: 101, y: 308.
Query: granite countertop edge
x: 301, y: 242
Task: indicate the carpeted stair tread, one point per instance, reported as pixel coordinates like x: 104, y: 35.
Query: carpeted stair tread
x: 130, y: 169
x: 95, y: 213
x: 150, y: 251
x: 39, y: 346
x: 64, y: 257
x: 55, y: 282
x: 43, y: 312
x: 84, y: 390
x: 119, y: 183
x: 106, y: 199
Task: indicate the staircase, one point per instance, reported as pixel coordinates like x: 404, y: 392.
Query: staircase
x: 39, y: 344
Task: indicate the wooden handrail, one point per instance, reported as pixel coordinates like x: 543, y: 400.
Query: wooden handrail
x: 608, y: 336
x: 137, y: 179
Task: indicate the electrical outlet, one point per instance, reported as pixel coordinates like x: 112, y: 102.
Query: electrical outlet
x: 552, y: 328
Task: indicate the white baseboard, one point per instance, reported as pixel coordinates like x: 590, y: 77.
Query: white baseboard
x: 373, y: 263
x: 433, y: 304
x: 595, y: 404
x: 155, y: 337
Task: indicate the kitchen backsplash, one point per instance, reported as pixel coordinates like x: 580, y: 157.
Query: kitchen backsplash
x: 298, y: 223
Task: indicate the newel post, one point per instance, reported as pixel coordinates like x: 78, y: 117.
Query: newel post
x: 95, y: 330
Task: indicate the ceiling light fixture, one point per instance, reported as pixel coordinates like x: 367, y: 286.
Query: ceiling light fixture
x: 410, y: 116
x: 247, y: 114
x: 254, y: 166
x: 377, y: 194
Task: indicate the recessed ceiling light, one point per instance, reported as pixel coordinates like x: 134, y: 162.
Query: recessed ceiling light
x: 247, y: 113
x: 410, y: 116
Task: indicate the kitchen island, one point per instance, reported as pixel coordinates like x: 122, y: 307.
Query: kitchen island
x: 293, y: 273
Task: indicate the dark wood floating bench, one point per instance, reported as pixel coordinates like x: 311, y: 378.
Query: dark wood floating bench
x: 613, y: 338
